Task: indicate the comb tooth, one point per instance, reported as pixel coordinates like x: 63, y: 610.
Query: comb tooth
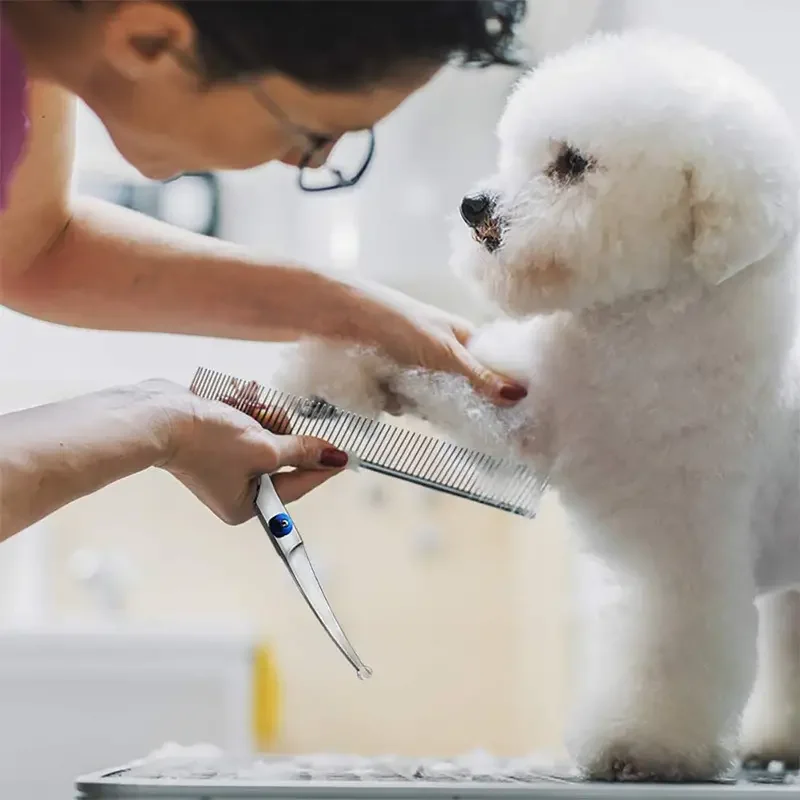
x: 256, y: 393
x: 408, y: 451
x: 359, y: 431
x: 474, y: 480
x: 416, y: 456
x: 515, y: 486
x: 331, y: 426
x: 215, y: 385
x: 471, y: 480
x: 337, y: 426
x: 488, y: 472
x: 345, y: 427
x: 438, y: 456
x: 463, y: 460
x: 262, y: 394
x: 394, y: 445
x: 250, y: 398
x: 432, y: 450
x: 268, y: 407
x: 422, y: 452
x: 368, y: 436
x: 289, y: 405
x: 474, y: 462
x: 527, y: 485
x: 238, y: 394
x: 440, y: 469
x: 203, y: 379
x: 195, y: 378
x: 302, y: 425
x: 484, y: 472
x: 385, y: 441
x: 436, y: 448
x: 445, y: 465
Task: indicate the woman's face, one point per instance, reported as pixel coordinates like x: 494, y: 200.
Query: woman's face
x: 142, y: 82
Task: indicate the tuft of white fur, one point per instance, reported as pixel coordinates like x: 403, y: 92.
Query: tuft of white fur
x: 650, y: 301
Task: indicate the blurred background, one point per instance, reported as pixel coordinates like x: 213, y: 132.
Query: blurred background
x: 134, y: 617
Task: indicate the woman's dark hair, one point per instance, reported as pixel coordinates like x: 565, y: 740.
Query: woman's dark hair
x: 348, y: 44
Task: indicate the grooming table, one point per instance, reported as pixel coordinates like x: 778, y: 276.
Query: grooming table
x: 340, y: 778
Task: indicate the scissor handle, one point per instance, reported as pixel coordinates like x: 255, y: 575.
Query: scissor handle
x: 275, y: 518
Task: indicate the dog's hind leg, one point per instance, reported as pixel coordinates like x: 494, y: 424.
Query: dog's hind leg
x: 771, y: 722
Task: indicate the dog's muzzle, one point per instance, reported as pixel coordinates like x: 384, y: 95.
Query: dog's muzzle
x: 478, y: 212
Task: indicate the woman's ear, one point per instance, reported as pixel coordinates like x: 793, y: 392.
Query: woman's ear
x: 141, y: 38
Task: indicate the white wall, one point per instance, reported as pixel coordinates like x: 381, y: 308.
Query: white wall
x: 760, y: 34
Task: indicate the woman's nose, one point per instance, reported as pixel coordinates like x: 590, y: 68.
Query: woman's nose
x: 475, y: 209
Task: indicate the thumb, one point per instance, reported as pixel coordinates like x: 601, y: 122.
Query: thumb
x: 291, y: 486
x: 497, y: 388
x: 307, y: 452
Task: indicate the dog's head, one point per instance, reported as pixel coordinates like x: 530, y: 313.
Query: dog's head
x: 627, y: 163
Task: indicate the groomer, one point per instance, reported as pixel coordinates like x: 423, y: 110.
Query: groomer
x: 188, y: 86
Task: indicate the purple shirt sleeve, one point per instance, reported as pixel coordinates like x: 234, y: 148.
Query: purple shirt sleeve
x: 13, y: 107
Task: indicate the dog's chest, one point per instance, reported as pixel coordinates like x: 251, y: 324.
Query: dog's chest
x: 624, y: 391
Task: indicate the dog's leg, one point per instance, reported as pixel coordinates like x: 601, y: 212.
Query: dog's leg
x: 349, y: 377
x: 771, y: 723
x: 670, y: 666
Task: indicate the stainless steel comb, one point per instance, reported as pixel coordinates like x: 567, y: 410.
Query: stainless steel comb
x: 378, y: 446
x: 386, y: 448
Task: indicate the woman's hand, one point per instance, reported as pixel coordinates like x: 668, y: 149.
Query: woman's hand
x: 218, y: 452
x: 416, y: 334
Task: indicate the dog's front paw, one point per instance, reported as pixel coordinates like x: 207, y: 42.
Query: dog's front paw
x: 636, y: 759
x: 348, y: 378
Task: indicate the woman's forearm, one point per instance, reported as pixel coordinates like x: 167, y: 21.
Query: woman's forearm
x: 56, y: 453
x: 116, y: 269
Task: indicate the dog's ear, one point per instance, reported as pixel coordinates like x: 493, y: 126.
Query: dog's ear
x: 739, y: 217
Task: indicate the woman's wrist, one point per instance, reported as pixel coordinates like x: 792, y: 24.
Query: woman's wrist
x: 338, y: 309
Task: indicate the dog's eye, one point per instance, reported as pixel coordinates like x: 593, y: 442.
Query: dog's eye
x: 569, y: 166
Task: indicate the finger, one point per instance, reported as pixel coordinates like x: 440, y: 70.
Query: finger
x: 291, y: 486
x: 272, y: 418
x: 242, y: 396
x: 249, y: 398
x: 497, y: 388
x: 306, y: 452
x: 463, y: 333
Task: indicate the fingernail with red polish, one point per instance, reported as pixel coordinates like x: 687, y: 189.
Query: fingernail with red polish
x: 333, y: 458
x: 513, y: 393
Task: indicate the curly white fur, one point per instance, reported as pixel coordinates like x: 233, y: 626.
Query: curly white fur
x: 647, y: 201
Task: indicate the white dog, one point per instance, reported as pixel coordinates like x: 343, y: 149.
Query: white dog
x: 640, y: 236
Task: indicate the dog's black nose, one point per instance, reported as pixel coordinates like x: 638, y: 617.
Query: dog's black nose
x: 475, y: 209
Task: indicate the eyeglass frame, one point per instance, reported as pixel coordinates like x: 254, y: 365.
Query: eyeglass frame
x: 314, y: 141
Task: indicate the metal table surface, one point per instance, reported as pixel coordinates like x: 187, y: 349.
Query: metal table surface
x: 754, y: 785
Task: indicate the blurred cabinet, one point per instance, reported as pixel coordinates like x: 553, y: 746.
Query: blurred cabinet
x: 76, y: 698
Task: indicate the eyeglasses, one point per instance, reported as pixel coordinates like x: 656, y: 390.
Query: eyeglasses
x: 359, y: 147
x: 353, y: 151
